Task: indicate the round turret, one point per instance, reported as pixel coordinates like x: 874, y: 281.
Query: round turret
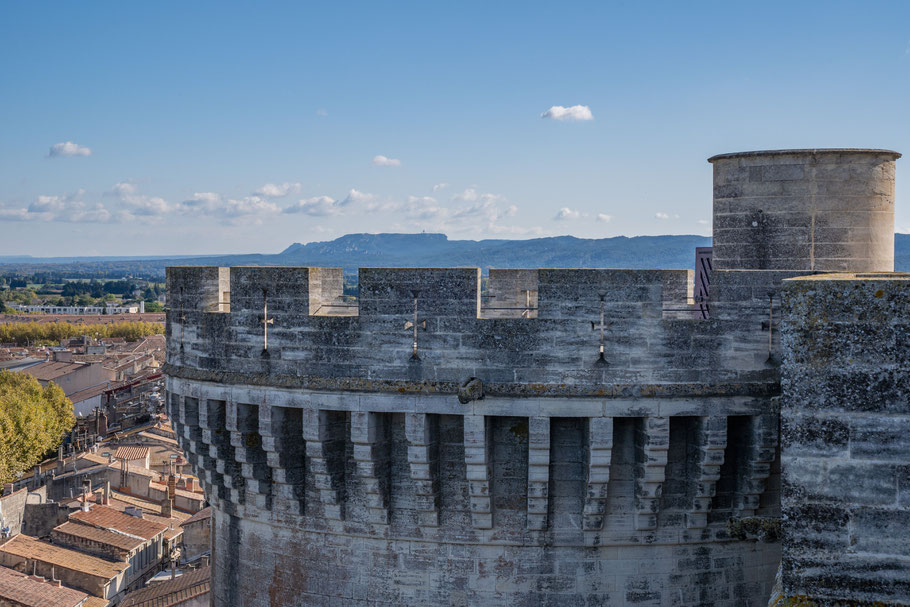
x: 825, y: 210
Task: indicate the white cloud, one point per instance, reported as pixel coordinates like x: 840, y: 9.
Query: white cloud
x: 15, y: 214
x: 383, y: 161
x: 68, y: 208
x: 356, y: 197
x: 201, y: 202
x: 661, y: 216
x: 210, y: 203
x: 318, y: 206
x: 479, y: 212
x: 249, y: 205
x: 440, y: 186
x: 135, y: 203
x: 578, y: 113
x: 68, y: 148
x: 603, y: 217
x: 469, y: 195
x: 567, y: 213
x: 278, y: 190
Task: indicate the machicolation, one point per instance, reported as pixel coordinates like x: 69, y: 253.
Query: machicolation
x: 566, y: 437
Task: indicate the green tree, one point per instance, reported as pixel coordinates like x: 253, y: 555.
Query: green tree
x: 33, y: 421
x: 44, y: 333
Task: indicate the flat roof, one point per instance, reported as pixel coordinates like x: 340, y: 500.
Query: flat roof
x: 896, y: 155
x: 50, y: 370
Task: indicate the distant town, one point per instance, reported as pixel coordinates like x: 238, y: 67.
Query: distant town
x: 115, y: 516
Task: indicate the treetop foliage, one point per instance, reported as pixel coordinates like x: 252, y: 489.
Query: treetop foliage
x: 51, y: 333
x: 33, y: 421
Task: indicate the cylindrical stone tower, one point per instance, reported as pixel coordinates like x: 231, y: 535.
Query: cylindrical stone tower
x: 825, y: 210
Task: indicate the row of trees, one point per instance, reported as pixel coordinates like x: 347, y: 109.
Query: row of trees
x: 51, y: 333
x: 33, y: 421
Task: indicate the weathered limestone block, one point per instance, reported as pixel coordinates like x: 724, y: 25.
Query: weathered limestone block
x: 712, y: 443
x: 538, y: 471
x: 242, y: 421
x: 323, y: 434
x: 282, y: 441
x: 477, y: 460
x: 422, y: 462
x: 220, y: 468
x: 654, y: 440
x: 757, y: 467
x: 600, y: 454
x: 367, y: 435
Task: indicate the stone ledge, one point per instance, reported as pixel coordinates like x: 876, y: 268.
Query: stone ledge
x: 362, y: 384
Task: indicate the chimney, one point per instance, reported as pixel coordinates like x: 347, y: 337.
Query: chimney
x: 60, y: 460
x: 102, y: 423
x: 173, y: 569
x: 171, y: 486
x: 107, y: 493
x: 167, y: 507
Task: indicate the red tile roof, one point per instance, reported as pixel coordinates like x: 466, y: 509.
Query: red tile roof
x: 108, y: 518
x: 27, y: 547
x: 27, y: 590
x: 131, y: 453
x: 126, y: 543
x: 203, y: 514
x: 171, y: 592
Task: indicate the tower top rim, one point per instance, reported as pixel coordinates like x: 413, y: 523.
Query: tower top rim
x: 805, y: 152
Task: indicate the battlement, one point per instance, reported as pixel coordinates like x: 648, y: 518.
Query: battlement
x: 585, y: 332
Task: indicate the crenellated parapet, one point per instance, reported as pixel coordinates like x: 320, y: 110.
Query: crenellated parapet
x: 521, y: 332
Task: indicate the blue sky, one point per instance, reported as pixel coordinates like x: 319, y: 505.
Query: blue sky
x: 227, y: 127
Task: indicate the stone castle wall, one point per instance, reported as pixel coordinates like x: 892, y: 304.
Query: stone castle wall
x: 545, y: 436
x: 814, y: 210
x: 572, y: 481
x: 846, y: 436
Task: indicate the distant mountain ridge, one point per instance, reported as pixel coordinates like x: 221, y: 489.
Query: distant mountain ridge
x: 354, y: 251
x: 359, y: 250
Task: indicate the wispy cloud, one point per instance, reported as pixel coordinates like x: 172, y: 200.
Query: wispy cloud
x: 356, y: 197
x: 473, y: 212
x: 68, y: 148
x: 139, y: 204
x: 440, y: 186
x: 228, y: 210
x: 604, y: 218
x: 661, y: 216
x: 68, y: 208
x: 567, y: 213
x: 384, y: 161
x: 278, y: 190
x: 575, y: 113
x: 318, y: 206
